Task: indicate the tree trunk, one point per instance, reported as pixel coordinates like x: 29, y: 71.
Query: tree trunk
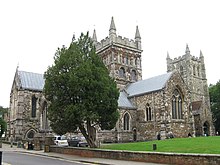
x: 89, y: 135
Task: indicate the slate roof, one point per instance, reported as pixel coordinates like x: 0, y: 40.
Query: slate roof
x: 142, y: 87
x: 31, y: 81
x: 148, y: 85
x: 124, y: 102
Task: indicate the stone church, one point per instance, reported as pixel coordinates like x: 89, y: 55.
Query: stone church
x: 174, y: 104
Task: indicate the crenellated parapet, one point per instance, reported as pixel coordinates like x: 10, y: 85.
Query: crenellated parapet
x: 123, y: 42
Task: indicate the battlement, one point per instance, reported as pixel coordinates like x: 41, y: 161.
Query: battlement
x: 117, y: 40
x: 180, y: 58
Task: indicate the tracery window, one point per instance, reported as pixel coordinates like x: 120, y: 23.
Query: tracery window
x: 126, y: 122
x: 177, y: 104
x: 148, y: 113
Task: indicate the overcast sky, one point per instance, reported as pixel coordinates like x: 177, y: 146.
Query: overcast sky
x: 32, y: 30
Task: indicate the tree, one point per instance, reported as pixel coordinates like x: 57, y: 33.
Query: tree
x: 214, y: 92
x: 80, y: 92
x: 3, y: 124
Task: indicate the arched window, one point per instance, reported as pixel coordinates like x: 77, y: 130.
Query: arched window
x: 181, y: 69
x: 122, y: 72
x: 198, y: 70
x: 133, y: 75
x: 194, y: 70
x: 148, y: 113
x: 33, y: 106
x: 177, y: 104
x: 126, y: 122
x: 30, y: 134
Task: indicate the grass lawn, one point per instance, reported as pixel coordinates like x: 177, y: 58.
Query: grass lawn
x: 208, y: 145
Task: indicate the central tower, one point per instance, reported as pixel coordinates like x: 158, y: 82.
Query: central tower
x: 121, y: 56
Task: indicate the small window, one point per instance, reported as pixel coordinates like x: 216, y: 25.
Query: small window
x: 122, y: 72
x: 148, y: 113
x: 133, y: 75
x: 181, y: 69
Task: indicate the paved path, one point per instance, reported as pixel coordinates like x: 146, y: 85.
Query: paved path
x: 97, y: 161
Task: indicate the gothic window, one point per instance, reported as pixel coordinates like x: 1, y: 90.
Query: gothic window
x: 194, y: 70
x: 148, y: 113
x: 33, y: 106
x: 198, y: 71
x: 122, y: 72
x: 133, y: 75
x: 135, y: 61
x: 30, y: 134
x: 177, y: 104
x: 126, y: 122
x: 127, y: 60
x: 181, y: 69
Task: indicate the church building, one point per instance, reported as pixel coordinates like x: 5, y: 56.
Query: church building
x: 173, y: 104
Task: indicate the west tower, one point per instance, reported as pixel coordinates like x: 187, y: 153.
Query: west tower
x: 192, y: 70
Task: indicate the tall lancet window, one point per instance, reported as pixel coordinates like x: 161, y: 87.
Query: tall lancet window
x: 33, y: 106
x: 181, y: 70
x: 148, y: 113
x: 177, y: 104
x: 198, y: 71
x: 126, y: 122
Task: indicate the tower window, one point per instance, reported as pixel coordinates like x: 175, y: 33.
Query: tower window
x: 122, y: 72
x: 148, y: 113
x: 181, y: 69
x: 133, y: 75
x: 33, y: 106
x: 126, y: 122
x: 198, y: 71
x: 177, y: 105
x: 194, y: 70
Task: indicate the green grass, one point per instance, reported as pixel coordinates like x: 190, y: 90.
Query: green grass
x: 208, y: 145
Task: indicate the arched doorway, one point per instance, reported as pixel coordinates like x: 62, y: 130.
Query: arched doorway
x: 206, y: 129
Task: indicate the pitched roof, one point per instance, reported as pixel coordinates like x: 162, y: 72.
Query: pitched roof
x: 148, y: 85
x: 124, y: 102
x: 31, y: 81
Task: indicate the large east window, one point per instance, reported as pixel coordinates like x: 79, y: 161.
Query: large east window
x: 177, y: 104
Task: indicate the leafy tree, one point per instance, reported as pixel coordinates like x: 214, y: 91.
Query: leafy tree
x: 80, y: 91
x: 3, y: 126
x: 214, y: 92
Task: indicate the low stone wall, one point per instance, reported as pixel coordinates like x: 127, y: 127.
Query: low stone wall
x: 153, y: 157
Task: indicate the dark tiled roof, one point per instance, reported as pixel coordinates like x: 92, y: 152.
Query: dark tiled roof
x: 31, y: 81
